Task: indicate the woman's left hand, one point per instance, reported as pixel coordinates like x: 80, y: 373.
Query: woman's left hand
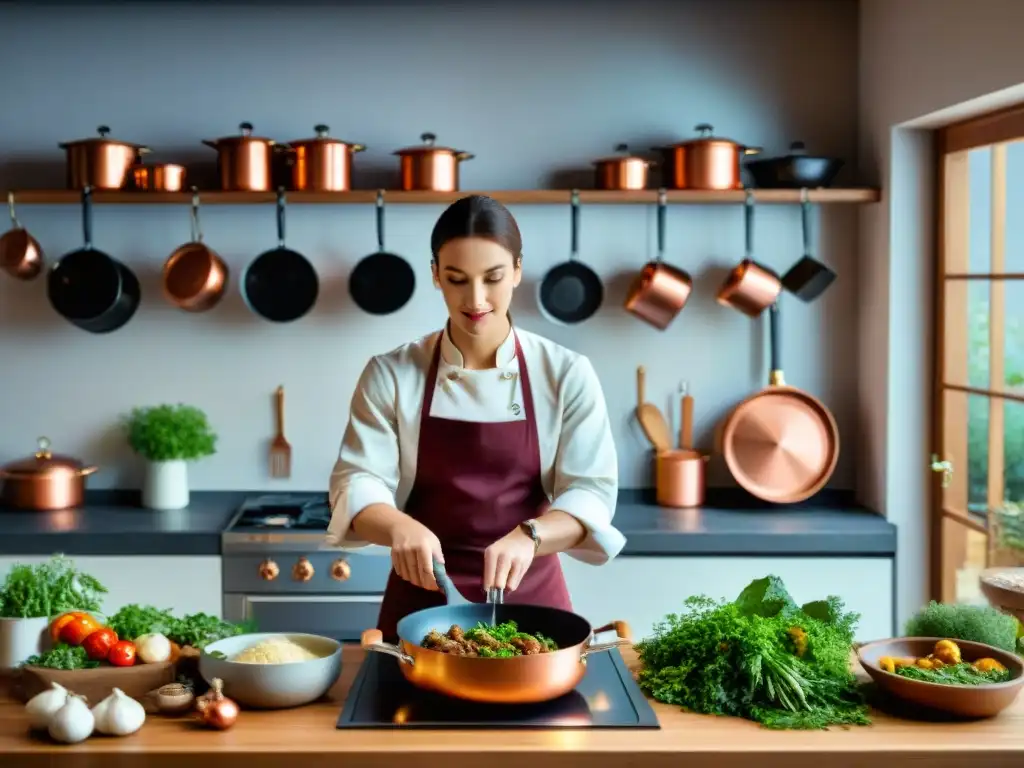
x: 507, y: 560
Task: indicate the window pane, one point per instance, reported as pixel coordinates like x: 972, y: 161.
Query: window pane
x: 979, y: 163
x: 965, y: 445
x: 965, y: 335
x: 1014, y: 205
x: 963, y: 560
x: 1013, y: 348
x: 1013, y: 451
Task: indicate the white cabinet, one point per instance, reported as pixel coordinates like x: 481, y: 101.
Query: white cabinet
x: 182, y: 584
x: 643, y: 590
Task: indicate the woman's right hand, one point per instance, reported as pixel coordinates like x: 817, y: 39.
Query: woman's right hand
x: 413, y: 551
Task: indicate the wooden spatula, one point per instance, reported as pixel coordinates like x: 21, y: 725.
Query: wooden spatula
x: 652, y: 421
x: 685, y: 417
x: 280, y: 449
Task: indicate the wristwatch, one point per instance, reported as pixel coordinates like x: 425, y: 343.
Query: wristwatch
x: 530, y: 527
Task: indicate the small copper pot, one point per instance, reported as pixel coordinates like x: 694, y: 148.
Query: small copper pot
x: 707, y: 162
x: 195, y: 276
x: 750, y: 287
x: 429, y: 167
x: 679, y: 478
x: 660, y: 291
x: 21, y: 256
x: 99, y: 162
x: 159, y: 177
x: 244, y: 161
x: 622, y: 171
x: 322, y: 164
x: 44, y: 481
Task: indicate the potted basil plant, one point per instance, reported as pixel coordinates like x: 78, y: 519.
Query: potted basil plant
x: 31, y: 596
x: 168, y: 437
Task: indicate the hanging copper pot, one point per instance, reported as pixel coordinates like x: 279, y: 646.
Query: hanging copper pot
x: 323, y: 163
x: 158, y: 177
x: 707, y: 162
x: 244, y: 161
x: 429, y: 167
x: 660, y: 291
x: 622, y: 170
x: 195, y: 276
x: 21, y: 256
x: 749, y: 287
x: 100, y: 162
x: 44, y: 481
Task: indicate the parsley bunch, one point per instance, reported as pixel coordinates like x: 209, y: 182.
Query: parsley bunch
x: 760, y: 657
x: 169, y: 432
x: 48, y: 589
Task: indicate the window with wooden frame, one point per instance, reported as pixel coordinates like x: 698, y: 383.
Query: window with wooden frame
x: 978, y: 520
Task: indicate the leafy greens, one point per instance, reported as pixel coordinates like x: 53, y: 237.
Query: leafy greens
x: 48, y: 589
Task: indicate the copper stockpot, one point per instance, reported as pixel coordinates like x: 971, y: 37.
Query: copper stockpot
x: 660, y: 291
x: 749, y: 287
x: 44, y: 481
x: 322, y: 164
x: 21, y: 256
x: 99, y: 162
x: 679, y: 478
x: 622, y: 170
x: 158, y: 177
x: 428, y: 167
x: 708, y: 162
x: 244, y: 161
x: 194, y: 276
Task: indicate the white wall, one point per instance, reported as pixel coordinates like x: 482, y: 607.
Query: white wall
x: 917, y: 58
x: 532, y: 88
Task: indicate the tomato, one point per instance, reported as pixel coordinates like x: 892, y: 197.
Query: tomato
x: 122, y: 653
x: 78, y: 628
x: 58, y: 624
x: 98, y: 644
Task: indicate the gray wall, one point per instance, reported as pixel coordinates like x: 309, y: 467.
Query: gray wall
x: 534, y: 92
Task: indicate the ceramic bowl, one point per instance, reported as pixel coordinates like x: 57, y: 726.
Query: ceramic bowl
x: 968, y: 701
x: 272, y: 686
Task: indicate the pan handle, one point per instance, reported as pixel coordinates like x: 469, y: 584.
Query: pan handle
x: 15, y: 224
x: 373, y: 640
x: 662, y: 205
x: 574, y: 243
x: 380, y: 220
x: 197, y: 230
x: 775, y: 351
x: 280, y: 217
x: 87, y: 217
x: 624, y: 637
x: 748, y: 224
x: 805, y: 220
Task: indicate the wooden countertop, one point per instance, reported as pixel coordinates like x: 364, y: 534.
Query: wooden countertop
x: 307, y: 738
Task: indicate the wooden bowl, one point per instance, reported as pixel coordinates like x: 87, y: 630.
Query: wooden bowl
x: 968, y: 701
x: 1007, y: 600
x: 96, y: 683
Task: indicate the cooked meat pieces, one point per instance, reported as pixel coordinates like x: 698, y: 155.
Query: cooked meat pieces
x: 481, y: 641
x: 530, y: 646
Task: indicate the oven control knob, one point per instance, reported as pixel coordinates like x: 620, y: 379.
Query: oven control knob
x: 340, y: 570
x: 302, y: 570
x: 269, y: 570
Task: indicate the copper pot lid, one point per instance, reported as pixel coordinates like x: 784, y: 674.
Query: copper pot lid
x: 244, y: 136
x: 705, y: 137
x: 429, y: 146
x: 622, y: 154
x: 44, y: 464
x: 323, y: 137
x: 104, y: 139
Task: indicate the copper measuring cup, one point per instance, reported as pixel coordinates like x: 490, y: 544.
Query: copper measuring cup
x: 194, y: 276
x: 808, y: 278
x: 21, y: 256
x: 750, y: 287
x: 660, y: 291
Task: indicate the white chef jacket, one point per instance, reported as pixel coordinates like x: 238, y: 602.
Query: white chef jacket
x: 579, y: 465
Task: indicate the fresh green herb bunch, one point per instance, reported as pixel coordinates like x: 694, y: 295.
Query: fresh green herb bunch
x: 48, y: 589
x: 760, y: 657
x: 959, y: 621
x: 169, y: 432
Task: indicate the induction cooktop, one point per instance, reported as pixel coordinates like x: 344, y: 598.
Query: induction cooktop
x: 607, y: 697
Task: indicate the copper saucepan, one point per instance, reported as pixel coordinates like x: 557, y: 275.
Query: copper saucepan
x: 44, y: 481
x: 429, y: 167
x: 750, y: 287
x: 322, y: 163
x: 21, y: 256
x: 100, y: 162
x: 244, y: 162
x: 782, y: 444
x: 660, y: 291
x: 707, y: 162
x: 622, y: 171
x: 194, y: 276
x: 158, y: 177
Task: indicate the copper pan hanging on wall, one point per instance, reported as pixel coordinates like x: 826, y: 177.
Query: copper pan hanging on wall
x: 781, y: 444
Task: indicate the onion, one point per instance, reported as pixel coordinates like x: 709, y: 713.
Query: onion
x: 215, y: 709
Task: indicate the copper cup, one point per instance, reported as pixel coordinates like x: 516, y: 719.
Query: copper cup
x: 158, y: 177
x: 679, y: 478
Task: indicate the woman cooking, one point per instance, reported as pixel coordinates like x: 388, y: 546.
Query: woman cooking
x: 482, y: 446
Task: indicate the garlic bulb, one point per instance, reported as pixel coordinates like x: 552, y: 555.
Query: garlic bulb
x: 118, y: 714
x: 41, y: 707
x: 73, y: 722
x: 153, y: 648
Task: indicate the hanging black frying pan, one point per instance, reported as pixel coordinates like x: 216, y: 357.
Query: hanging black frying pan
x: 90, y: 289
x: 571, y: 292
x: 808, y: 278
x: 280, y: 285
x: 382, y: 282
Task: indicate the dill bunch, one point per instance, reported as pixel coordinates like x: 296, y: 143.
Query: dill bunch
x: 759, y: 657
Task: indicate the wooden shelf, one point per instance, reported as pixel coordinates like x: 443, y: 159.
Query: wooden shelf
x: 509, y: 197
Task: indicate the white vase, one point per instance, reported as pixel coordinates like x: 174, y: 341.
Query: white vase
x: 22, y: 638
x: 165, y: 485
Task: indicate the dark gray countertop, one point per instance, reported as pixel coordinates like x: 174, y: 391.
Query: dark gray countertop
x: 730, y: 523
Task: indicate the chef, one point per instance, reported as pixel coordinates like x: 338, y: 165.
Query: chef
x: 483, y: 446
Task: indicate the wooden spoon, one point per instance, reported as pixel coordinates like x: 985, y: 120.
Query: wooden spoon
x: 652, y: 421
x: 685, y: 417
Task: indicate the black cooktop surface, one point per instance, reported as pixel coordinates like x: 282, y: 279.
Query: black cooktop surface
x: 304, y: 511
x: 607, y: 697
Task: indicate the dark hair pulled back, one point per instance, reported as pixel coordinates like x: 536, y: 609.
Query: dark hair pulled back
x: 478, y: 216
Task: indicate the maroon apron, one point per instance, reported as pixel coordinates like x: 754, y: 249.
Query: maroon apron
x: 475, y: 482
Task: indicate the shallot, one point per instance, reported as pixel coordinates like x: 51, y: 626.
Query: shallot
x: 215, y: 709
